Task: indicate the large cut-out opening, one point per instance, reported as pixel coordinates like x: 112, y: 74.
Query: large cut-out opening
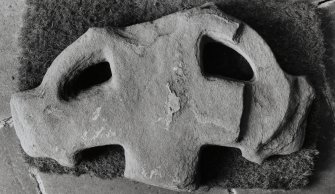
x: 226, y: 167
x: 83, y: 79
x: 214, y: 163
x: 104, y: 161
x: 219, y: 164
x: 220, y: 61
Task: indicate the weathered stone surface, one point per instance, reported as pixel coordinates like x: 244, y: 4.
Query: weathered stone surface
x: 160, y: 103
x: 14, y: 175
x: 10, y: 23
x: 323, y: 180
x: 85, y: 184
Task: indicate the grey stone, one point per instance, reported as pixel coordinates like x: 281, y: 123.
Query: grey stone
x: 323, y: 180
x: 159, y: 104
x: 85, y: 184
x: 14, y: 174
x: 11, y: 12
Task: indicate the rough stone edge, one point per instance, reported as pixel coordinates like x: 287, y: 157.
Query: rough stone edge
x: 321, y: 4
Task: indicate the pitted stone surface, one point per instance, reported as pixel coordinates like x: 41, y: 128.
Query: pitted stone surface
x: 158, y: 104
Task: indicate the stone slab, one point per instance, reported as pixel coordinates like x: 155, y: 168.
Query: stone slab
x: 14, y: 174
x: 10, y: 177
x: 85, y: 184
x: 11, y: 12
x: 144, y: 107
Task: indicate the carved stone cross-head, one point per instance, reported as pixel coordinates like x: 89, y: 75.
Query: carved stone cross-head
x: 162, y: 90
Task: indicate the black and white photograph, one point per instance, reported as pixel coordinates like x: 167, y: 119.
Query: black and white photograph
x: 167, y: 96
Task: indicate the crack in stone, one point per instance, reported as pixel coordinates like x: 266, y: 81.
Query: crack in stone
x: 40, y: 188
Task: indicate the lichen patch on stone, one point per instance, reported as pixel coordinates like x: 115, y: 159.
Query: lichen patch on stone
x: 172, y: 106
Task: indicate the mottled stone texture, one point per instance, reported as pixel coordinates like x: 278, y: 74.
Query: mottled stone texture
x: 166, y: 96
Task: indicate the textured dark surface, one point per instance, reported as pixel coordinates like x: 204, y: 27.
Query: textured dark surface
x: 104, y: 162
x: 291, y: 29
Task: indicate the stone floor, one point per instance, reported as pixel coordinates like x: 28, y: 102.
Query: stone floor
x: 17, y: 178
